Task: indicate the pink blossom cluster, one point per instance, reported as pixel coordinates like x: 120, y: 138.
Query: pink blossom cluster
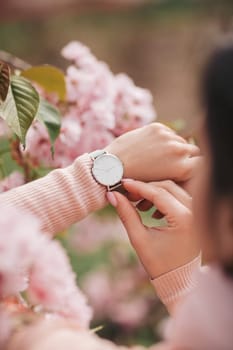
x: 99, y: 107
x: 15, y: 179
x: 119, y: 302
x: 31, y: 262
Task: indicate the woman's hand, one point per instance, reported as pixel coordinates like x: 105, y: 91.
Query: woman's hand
x: 154, y: 153
x: 160, y: 249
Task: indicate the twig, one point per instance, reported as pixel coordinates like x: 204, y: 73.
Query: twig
x: 13, y: 61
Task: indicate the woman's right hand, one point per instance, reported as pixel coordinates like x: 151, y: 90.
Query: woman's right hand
x: 160, y: 249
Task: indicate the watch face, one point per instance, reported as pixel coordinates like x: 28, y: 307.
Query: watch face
x: 108, y: 170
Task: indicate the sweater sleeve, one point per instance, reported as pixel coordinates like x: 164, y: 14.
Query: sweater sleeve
x: 175, y: 285
x: 61, y: 198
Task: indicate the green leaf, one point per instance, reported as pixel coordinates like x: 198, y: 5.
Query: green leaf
x: 20, y: 106
x: 50, y: 78
x: 51, y: 117
x: 4, y: 80
x: 7, y: 164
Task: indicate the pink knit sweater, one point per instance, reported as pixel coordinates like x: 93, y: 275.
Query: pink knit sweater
x: 203, y: 318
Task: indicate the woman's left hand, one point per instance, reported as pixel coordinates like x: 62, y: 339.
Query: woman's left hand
x: 154, y: 152
x: 160, y: 249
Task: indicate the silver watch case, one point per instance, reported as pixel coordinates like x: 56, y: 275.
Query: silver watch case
x: 107, y: 169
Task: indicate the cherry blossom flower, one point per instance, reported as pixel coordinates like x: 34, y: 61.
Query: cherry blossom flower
x: 30, y: 261
x: 53, y: 285
x: 99, y: 107
x: 100, y: 139
x: 38, y: 146
x: 19, y: 241
x: 79, y: 54
x: 133, y: 105
x: 15, y: 179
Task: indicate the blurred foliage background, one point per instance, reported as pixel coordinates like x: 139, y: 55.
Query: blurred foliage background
x: 162, y: 46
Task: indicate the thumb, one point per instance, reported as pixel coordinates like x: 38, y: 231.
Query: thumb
x: 129, y: 217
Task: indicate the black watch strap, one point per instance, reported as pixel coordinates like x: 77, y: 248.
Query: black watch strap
x: 118, y: 187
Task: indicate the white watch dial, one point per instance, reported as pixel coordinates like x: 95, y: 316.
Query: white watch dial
x: 108, y: 170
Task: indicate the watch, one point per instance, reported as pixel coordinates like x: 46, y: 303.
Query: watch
x: 107, y: 169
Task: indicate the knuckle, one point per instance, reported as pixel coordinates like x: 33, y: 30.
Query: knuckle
x: 194, y: 150
x: 179, y: 148
x: 171, y: 146
x: 156, y: 125
x: 155, y: 128
x: 152, y: 127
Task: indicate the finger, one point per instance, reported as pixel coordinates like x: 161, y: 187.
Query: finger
x: 195, y: 165
x: 157, y: 215
x: 144, y: 205
x: 164, y: 201
x: 179, y: 193
x: 193, y: 149
x: 190, y: 165
x: 187, y: 186
x: 130, y: 219
x: 132, y: 197
x: 166, y: 128
x: 187, y: 149
x: 172, y: 134
x: 181, y: 139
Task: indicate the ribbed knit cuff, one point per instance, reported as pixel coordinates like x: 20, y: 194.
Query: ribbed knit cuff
x: 176, y: 284
x: 83, y: 194
x: 61, y: 198
x: 81, y: 170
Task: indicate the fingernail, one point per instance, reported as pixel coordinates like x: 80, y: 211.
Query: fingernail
x: 112, y: 199
x: 127, y: 180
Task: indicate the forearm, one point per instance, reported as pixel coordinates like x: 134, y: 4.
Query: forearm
x: 61, y: 198
x: 174, y: 286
